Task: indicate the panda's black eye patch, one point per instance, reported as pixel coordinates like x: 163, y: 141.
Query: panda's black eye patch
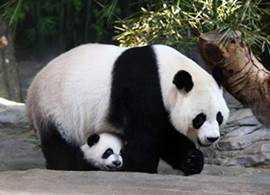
x: 107, y: 153
x: 198, y: 121
x: 219, y: 118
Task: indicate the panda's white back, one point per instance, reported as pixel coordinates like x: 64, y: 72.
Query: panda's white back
x: 74, y: 88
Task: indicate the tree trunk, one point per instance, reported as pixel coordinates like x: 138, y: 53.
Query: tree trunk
x: 9, y: 79
x: 244, y: 76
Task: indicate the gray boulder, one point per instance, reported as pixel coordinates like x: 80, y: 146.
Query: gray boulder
x: 12, y: 113
x: 244, y: 142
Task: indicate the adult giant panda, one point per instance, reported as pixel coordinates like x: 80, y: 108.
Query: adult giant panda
x: 162, y: 102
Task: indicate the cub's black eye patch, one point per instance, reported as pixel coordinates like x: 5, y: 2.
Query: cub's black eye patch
x: 219, y: 118
x: 198, y: 121
x: 107, y: 153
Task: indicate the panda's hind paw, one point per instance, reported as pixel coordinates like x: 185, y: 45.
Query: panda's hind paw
x: 193, y: 163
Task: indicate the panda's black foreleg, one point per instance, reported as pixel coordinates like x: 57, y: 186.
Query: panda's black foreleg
x: 140, y: 154
x: 181, y: 153
x: 136, y: 159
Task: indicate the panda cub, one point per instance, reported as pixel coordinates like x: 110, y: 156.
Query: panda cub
x: 102, y: 151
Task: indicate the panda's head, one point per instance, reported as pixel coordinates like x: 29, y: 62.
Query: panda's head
x: 196, y: 105
x: 103, y: 151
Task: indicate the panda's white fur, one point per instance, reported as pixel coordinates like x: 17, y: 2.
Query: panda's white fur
x: 74, y: 90
x: 94, y: 154
x: 87, y: 71
x: 205, y: 97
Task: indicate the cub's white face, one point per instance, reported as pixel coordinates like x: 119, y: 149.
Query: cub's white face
x: 103, y: 151
x: 199, y: 109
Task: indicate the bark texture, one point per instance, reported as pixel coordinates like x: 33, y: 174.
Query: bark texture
x: 9, y: 79
x: 244, y: 76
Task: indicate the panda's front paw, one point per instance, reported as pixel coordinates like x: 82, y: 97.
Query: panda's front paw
x: 193, y: 162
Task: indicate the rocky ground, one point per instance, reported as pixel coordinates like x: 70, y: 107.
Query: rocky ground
x: 22, y: 165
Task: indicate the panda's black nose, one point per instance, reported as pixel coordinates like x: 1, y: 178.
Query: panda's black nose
x: 117, y: 163
x: 212, y: 139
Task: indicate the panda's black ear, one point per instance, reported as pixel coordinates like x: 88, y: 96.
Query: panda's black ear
x: 183, y: 80
x: 217, y: 73
x: 92, y: 139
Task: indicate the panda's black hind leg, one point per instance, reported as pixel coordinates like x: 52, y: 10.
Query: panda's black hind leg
x: 59, y: 154
x: 181, y: 153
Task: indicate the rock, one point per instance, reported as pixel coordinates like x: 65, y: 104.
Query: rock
x: 257, y: 154
x: 19, y: 149
x: 12, y: 113
x: 244, y: 140
x: 19, y: 145
x: 249, y: 160
x: 239, y: 115
x: 240, y: 130
x: 39, y: 181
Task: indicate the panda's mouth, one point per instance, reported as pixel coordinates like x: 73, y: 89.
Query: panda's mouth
x: 112, y: 168
x: 201, y: 144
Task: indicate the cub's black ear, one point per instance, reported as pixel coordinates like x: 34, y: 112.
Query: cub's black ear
x: 92, y: 139
x: 183, y: 80
x: 217, y: 73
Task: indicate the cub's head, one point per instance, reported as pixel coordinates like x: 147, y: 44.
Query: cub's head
x: 103, y: 151
x: 196, y: 105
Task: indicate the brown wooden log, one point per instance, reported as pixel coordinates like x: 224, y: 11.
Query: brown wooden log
x: 244, y: 76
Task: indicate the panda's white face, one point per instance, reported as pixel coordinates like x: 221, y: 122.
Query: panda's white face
x: 197, y: 111
x: 103, y: 151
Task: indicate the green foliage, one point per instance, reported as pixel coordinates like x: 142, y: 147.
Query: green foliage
x: 63, y: 23
x: 178, y: 23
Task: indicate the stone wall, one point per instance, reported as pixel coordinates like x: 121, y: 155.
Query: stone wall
x: 244, y: 142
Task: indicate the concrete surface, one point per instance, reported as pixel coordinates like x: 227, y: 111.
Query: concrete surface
x: 38, y: 181
x: 19, y: 149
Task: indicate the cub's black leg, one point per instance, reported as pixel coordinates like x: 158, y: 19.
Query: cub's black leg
x: 58, y: 153
x: 180, y: 152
